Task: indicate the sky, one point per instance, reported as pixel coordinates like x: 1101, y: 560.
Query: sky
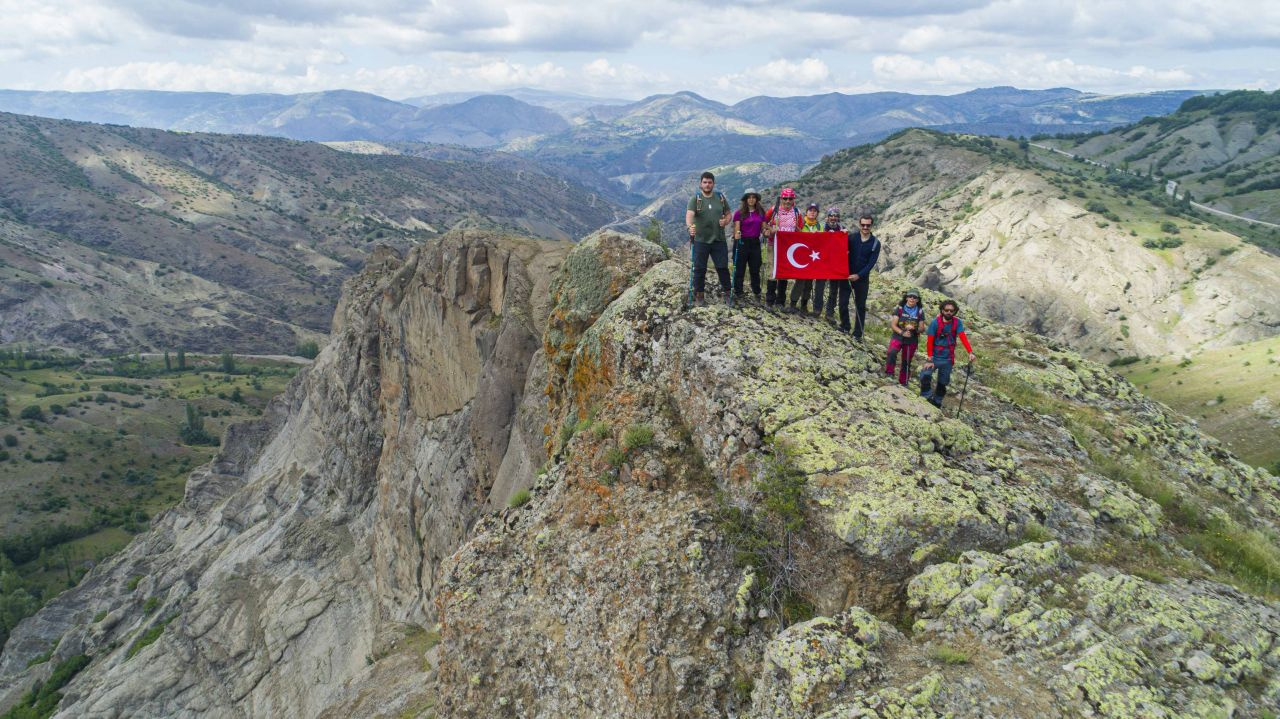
x: 613, y: 49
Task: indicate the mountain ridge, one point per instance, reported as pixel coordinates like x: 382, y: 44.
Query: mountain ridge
x: 1056, y: 537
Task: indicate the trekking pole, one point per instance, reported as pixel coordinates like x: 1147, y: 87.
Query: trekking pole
x: 733, y: 279
x: 691, y: 263
x: 968, y: 370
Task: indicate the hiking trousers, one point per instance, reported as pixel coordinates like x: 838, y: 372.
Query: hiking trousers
x: 800, y: 294
x: 748, y: 257
x: 942, y: 368
x: 860, y: 289
x: 718, y: 251
x: 907, y: 350
x: 776, y: 293
x: 825, y: 293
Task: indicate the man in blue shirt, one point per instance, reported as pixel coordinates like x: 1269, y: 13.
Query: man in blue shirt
x: 945, y: 332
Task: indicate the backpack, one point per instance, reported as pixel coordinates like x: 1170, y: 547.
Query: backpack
x: 724, y: 201
x: 915, y: 321
x: 795, y: 211
x: 954, y: 334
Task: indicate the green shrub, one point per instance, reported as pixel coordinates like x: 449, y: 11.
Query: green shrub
x: 637, y: 436
x: 767, y: 534
x: 308, y: 349
x: 615, y: 456
x: 519, y: 499
x: 32, y: 412
x: 600, y: 430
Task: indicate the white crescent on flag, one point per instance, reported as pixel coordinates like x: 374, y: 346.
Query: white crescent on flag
x: 791, y: 255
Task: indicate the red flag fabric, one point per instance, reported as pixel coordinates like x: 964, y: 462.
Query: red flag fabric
x: 811, y: 256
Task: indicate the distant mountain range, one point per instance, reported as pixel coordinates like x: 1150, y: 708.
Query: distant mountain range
x: 643, y: 145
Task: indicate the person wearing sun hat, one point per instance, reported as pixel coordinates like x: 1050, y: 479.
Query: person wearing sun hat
x: 748, y: 226
x: 905, y: 322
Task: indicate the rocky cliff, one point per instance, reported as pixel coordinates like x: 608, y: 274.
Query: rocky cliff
x: 523, y: 481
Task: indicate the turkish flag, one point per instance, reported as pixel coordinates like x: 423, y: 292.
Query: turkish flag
x: 811, y: 256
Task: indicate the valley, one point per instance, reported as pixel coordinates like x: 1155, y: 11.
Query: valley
x: 91, y: 449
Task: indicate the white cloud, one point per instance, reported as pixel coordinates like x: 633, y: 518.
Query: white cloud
x: 777, y: 77
x: 1026, y: 71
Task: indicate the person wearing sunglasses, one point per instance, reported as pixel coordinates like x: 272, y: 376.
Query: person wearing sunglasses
x: 945, y: 331
x: 864, y: 251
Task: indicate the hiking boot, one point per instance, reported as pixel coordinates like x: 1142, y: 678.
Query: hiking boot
x: 699, y: 299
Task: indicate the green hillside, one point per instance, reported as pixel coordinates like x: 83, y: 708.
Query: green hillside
x: 1223, y: 149
x: 1233, y: 392
x: 115, y: 238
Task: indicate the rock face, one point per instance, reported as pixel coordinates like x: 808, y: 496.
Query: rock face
x: 527, y: 482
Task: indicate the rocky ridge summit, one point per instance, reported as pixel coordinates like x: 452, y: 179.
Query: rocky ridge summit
x: 524, y: 481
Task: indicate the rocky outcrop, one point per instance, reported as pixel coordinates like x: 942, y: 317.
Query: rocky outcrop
x: 524, y: 483
x: 304, y: 549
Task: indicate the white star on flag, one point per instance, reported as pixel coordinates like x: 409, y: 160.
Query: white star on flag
x: 813, y: 256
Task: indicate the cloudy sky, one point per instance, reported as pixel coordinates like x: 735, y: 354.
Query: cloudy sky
x: 610, y: 48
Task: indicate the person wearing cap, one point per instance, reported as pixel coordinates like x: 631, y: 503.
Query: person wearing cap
x: 748, y: 224
x: 784, y: 217
x: 905, y: 323
x: 706, y: 217
x: 802, y: 288
x: 820, y: 291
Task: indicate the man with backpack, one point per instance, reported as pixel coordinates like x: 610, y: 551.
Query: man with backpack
x: 706, y: 217
x: 945, y: 331
x: 784, y: 217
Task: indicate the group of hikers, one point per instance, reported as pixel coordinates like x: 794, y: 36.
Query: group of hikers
x: 709, y: 219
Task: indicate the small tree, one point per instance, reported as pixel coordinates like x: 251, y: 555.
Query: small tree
x: 182, y: 359
x: 308, y: 349
x: 32, y: 412
x: 168, y: 366
x: 192, y: 431
x: 228, y: 362
x: 653, y: 232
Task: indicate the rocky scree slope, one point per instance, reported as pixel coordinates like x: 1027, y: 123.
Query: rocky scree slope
x: 1073, y: 259
x: 1050, y: 553
x: 114, y: 239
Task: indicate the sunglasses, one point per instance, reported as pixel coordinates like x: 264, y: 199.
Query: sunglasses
x: 864, y: 225
x: 948, y: 312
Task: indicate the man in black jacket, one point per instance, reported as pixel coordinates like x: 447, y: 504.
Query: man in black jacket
x: 864, y: 251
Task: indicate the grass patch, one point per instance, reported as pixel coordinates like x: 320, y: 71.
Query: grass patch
x: 636, y: 437
x: 948, y: 655
x: 519, y: 499
x: 615, y: 456
x: 148, y: 637
x: 42, y: 701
